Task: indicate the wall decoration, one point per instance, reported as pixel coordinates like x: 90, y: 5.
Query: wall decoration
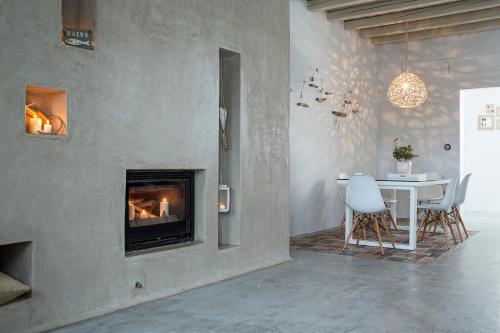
x: 313, y: 82
x: 78, y: 38
x: 486, y: 122
x: 498, y: 124
x: 302, y: 103
x: 490, y: 108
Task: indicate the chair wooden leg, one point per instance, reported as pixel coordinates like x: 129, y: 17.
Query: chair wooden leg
x: 426, y: 223
x: 387, y: 232
x: 457, y: 223
x: 393, y: 223
x: 448, y: 222
x: 341, y: 226
x: 426, y: 216
x: 377, y: 230
x: 353, y: 228
x: 445, y: 232
x: 457, y: 213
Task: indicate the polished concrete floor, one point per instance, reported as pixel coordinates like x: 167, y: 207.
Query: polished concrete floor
x: 459, y: 292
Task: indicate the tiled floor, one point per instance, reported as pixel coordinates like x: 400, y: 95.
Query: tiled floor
x: 427, y: 250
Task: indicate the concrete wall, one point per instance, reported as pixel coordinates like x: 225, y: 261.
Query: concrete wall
x: 147, y: 97
x: 318, y: 149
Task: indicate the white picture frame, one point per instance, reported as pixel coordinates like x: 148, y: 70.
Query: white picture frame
x: 486, y: 122
x: 491, y: 108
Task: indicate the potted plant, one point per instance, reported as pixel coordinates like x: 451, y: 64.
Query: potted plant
x: 403, y: 154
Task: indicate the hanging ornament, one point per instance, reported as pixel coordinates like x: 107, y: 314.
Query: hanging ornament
x: 301, y: 102
x: 322, y: 96
x: 313, y: 83
x: 407, y: 90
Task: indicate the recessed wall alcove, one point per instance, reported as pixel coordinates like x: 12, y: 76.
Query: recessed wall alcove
x: 15, y: 261
x: 229, y: 154
x: 45, y: 111
x: 79, y: 23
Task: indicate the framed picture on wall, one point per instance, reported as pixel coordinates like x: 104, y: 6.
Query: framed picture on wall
x: 486, y: 122
x: 490, y: 108
x: 498, y: 111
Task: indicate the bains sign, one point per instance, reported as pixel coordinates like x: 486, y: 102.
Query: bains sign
x: 78, y: 38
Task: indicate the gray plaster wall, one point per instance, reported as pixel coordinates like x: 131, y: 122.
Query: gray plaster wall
x: 147, y: 97
x: 319, y: 150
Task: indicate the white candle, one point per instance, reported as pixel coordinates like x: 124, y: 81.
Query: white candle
x: 131, y: 211
x: 34, y: 125
x: 164, y: 207
x: 143, y: 215
x: 47, y: 128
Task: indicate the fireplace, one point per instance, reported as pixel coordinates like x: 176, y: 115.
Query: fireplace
x: 159, y: 208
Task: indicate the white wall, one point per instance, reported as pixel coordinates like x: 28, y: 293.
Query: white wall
x: 480, y: 150
x: 447, y: 65
x: 318, y: 151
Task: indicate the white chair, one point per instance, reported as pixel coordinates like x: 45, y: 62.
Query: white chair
x: 460, y: 194
x: 428, y: 194
x: 436, y: 213
x: 341, y: 194
x: 364, y: 198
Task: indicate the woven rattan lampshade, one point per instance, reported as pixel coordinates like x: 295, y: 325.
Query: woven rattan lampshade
x: 407, y: 90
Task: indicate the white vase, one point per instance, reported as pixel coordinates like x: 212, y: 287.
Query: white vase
x: 404, y: 166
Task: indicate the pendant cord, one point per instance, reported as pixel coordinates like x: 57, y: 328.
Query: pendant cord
x: 406, y: 49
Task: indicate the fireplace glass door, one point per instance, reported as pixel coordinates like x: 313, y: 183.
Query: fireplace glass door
x: 159, y: 208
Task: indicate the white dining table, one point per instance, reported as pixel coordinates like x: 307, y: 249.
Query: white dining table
x: 395, y: 185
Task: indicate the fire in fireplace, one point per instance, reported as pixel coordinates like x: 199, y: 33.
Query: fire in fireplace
x: 159, y: 208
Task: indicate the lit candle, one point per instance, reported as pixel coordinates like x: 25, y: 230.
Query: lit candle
x: 143, y: 215
x: 164, y: 207
x: 222, y: 206
x: 34, y: 125
x: 131, y: 211
x: 47, y: 128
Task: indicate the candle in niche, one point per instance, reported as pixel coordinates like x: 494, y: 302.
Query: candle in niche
x: 143, y: 215
x: 164, y: 207
x: 131, y: 211
x: 34, y: 125
x: 47, y: 128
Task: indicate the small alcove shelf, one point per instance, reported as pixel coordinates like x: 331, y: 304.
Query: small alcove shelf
x: 45, y: 112
x: 15, y: 261
x: 229, y: 150
x: 79, y: 23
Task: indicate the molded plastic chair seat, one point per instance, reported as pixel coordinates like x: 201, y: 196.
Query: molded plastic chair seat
x: 365, y: 199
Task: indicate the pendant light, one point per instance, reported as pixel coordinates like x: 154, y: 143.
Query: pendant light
x: 407, y: 90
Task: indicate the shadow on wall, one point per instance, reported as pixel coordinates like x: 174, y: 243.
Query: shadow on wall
x: 318, y: 149
x: 446, y: 65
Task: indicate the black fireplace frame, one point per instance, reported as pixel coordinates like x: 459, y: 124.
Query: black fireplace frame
x: 162, y: 234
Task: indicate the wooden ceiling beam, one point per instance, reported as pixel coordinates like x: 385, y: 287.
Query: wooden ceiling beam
x: 316, y: 5
x: 421, y: 13
x: 381, y: 8
x: 433, y: 23
x: 440, y: 32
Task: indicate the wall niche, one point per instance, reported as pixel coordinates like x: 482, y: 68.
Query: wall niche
x: 45, y: 111
x: 229, y: 149
x: 79, y: 23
